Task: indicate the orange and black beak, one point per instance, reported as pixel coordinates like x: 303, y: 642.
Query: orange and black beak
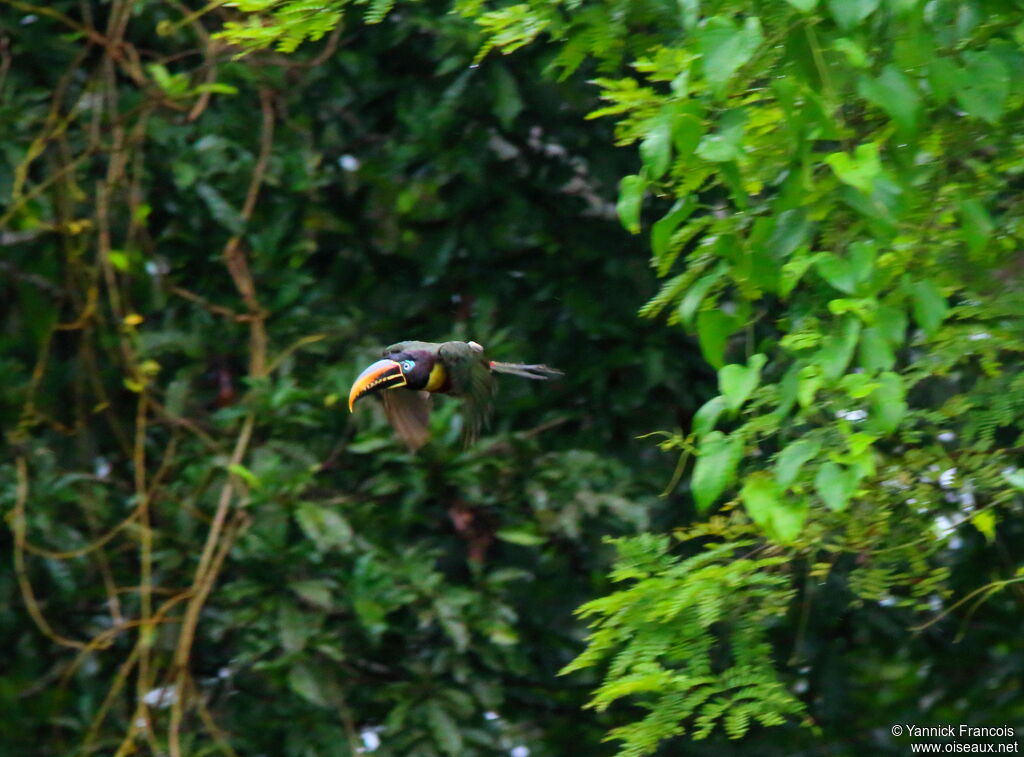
x: 384, y: 374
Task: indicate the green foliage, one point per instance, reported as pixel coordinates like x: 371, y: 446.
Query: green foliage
x: 199, y: 253
x: 837, y: 182
x: 662, y: 637
x: 200, y: 247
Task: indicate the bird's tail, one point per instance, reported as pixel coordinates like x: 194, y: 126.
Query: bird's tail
x: 538, y: 372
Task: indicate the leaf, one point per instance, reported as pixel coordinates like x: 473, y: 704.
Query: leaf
x: 849, y: 13
x: 794, y: 270
x: 444, y: 728
x: 713, y: 331
x: 874, y: 352
x: 695, y: 294
x: 760, y: 495
x: 293, y: 627
x: 222, y: 211
x: 891, y: 322
x: 631, y: 195
x: 837, y: 349
x: 306, y: 681
x: 726, y: 143
x: 706, y: 417
x: 861, y: 170
x: 887, y: 403
x: 737, y: 382
x: 976, y: 224
x: 792, y: 459
x: 809, y: 382
x: 1015, y: 478
x: 326, y: 528
x: 245, y: 474
x: 985, y: 522
x: 930, y: 308
x: 507, y: 102
x: 715, y: 469
x: 836, y: 485
x: 316, y: 591
x: 656, y: 146
x: 861, y: 259
x: 524, y: 536
x: 983, y: 87
x: 665, y: 227
x: 769, y: 507
x: 837, y: 272
x: 788, y: 518
x: 893, y: 93
x: 803, y: 5
x: 725, y: 47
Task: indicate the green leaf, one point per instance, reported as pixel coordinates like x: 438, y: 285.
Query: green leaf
x: 725, y: 47
x: 891, y: 322
x: 760, y: 495
x: 665, y: 227
x: 836, y: 485
x: 307, y: 682
x: 875, y: 353
x: 245, y: 474
x: 726, y: 142
x: 1015, y: 478
x: 695, y: 294
x: 861, y: 170
x: 316, y: 591
x: 849, y: 13
x: 893, y: 93
x: 325, y: 527
x: 656, y: 146
x: 507, y: 102
x: 792, y: 459
x: 222, y: 211
x: 737, y: 382
x: 769, y: 507
x: 631, y: 195
x: 855, y: 54
x: 976, y: 224
x: 887, y: 403
x: 983, y: 87
x: 803, y: 5
x: 706, y: 417
x: 861, y: 258
x: 788, y: 518
x: 794, y: 270
x: 713, y: 331
x: 809, y: 382
x: 293, y: 627
x: 445, y: 729
x: 985, y: 522
x: 715, y: 469
x: 837, y: 272
x: 837, y: 350
x: 930, y: 308
x: 525, y: 536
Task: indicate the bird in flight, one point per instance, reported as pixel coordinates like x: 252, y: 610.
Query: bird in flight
x: 410, y: 372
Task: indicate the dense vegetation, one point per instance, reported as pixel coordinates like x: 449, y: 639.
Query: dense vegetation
x: 213, y: 216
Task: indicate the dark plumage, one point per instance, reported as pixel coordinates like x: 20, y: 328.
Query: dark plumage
x: 410, y: 372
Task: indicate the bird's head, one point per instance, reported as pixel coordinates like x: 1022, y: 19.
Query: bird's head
x: 404, y: 369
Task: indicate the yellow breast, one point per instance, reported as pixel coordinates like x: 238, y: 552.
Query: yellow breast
x: 437, y: 379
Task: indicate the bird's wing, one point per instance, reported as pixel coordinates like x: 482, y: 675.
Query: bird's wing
x: 408, y: 413
x: 471, y: 380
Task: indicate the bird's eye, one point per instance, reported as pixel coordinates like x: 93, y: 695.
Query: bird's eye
x: 407, y: 365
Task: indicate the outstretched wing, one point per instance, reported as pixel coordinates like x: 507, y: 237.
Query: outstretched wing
x: 471, y: 381
x: 408, y: 413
